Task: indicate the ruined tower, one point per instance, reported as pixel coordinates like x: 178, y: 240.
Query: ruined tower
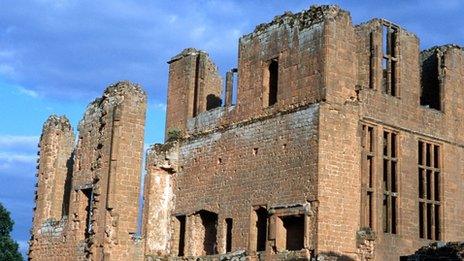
x: 194, y: 87
x: 344, y: 142
x: 55, y: 169
x: 102, y: 184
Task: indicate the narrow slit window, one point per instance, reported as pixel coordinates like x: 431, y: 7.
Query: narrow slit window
x: 389, y: 59
x: 196, y: 86
x: 181, y: 242
x: 368, y: 155
x: 429, y: 190
x: 229, y: 226
x: 390, y: 182
x: 271, y: 80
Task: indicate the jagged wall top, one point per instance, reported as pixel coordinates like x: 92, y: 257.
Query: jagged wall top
x: 123, y: 88
x: 57, y: 122
x: 315, y: 14
x: 442, y: 48
x: 114, y: 95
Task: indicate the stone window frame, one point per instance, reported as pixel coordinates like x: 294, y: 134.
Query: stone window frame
x: 369, y: 175
x: 253, y: 236
x: 286, y: 211
x: 435, y: 167
x: 390, y: 220
x: 390, y: 55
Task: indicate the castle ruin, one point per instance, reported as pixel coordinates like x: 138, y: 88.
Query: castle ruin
x: 345, y: 142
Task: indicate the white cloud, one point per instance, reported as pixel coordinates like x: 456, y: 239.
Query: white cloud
x: 17, y: 157
x: 16, y: 141
x: 28, y: 92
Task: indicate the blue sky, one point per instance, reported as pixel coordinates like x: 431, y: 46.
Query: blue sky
x: 58, y: 55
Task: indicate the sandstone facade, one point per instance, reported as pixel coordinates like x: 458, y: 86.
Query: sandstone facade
x: 344, y: 143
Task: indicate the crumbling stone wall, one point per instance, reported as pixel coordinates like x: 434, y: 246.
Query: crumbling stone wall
x: 56, y: 145
x: 438, y: 251
x: 102, y: 219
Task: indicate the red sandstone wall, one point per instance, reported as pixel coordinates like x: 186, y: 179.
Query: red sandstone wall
x: 268, y: 162
x: 107, y: 162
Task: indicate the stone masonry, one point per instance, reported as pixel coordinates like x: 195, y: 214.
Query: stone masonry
x: 345, y: 142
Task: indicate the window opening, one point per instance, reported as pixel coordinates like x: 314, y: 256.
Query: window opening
x: 368, y: 159
x: 389, y: 59
x: 294, y: 232
x: 429, y: 190
x: 390, y: 178
x: 229, y: 225
x: 181, y: 245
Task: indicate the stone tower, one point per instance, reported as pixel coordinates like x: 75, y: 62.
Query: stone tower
x: 102, y: 185
x: 194, y: 87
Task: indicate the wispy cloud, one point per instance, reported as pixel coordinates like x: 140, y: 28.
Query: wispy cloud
x: 17, y: 141
x: 16, y: 157
x: 28, y: 92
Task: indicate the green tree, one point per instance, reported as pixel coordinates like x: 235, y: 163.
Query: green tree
x: 8, y: 247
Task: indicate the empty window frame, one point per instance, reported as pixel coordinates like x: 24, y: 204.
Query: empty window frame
x: 293, y: 231
x: 271, y: 82
x: 259, y: 226
x: 429, y: 163
x: 390, y: 182
x: 209, y: 221
x: 389, y: 59
x: 431, y: 84
x: 367, y: 168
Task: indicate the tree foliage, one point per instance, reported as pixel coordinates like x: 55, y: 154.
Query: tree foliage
x: 8, y: 247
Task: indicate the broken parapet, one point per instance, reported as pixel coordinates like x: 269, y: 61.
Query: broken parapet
x: 438, y: 251
x: 101, y: 175
x: 315, y: 14
x: 54, y: 170
x: 158, y: 196
x: 57, y: 122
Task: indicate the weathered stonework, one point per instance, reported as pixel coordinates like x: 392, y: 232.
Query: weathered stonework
x: 102, y: 184
x: 345, y: 143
